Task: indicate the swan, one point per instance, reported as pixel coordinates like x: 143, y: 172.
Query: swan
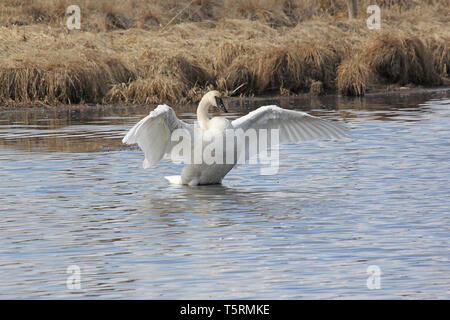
x: 154, y: 134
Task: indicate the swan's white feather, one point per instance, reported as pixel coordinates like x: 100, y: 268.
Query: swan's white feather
x: 293, y: 126
x: 174, y: 179
x: 153, y: 134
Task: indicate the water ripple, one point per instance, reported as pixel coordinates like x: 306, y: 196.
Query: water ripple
x: 70, y: 194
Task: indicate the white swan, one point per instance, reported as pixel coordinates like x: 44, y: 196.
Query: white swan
x: 153, y: 134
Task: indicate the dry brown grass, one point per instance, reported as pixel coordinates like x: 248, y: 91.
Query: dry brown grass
x: 291, y: 66
x: 61, y: 78
x: 174, y: 78
x: 294, y: 66
x: 126, y: 53
x: 353, y: 77
x: 440, y: 50
x: 401, y: 59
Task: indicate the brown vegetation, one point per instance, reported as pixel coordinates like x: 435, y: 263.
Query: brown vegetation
x: 353, y: 77
x: 401, y: 59
x: 132, y: 51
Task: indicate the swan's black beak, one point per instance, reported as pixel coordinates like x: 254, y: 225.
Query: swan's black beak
x: 220, y: 104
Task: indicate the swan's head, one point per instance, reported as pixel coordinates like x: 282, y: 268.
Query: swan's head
x: 215, y: 99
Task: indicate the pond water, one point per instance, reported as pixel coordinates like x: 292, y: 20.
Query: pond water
x: 71, y: 196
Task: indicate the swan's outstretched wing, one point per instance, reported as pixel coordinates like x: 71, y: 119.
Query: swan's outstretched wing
x: 153, y: 134
x: 293, y: 126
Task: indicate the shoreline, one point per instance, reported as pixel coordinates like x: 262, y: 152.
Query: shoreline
x: 81, y: 108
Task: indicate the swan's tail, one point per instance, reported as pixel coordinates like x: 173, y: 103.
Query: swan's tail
x: 174, y: 179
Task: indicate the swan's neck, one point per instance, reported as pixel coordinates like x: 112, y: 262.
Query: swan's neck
x: 202, y: 114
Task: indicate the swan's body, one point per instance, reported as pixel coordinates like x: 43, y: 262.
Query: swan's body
x: 153, y: 134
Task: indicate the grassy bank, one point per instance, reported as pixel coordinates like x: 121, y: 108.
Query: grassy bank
x: 132, y: 52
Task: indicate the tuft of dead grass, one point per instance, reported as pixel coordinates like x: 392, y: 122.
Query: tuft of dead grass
x: 401, y: 59
x: 146, y: 91
x: 317, y: 88
x: 440, y: 50
x: 288, y: 66
x: 353, y: 77
x: 174, y: 78
x: 238, y: 78
x: 62, y: 78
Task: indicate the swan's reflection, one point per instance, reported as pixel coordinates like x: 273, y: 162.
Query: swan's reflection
x: 203, y: 200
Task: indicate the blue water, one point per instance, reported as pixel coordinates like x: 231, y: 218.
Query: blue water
x: 71, y: 194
